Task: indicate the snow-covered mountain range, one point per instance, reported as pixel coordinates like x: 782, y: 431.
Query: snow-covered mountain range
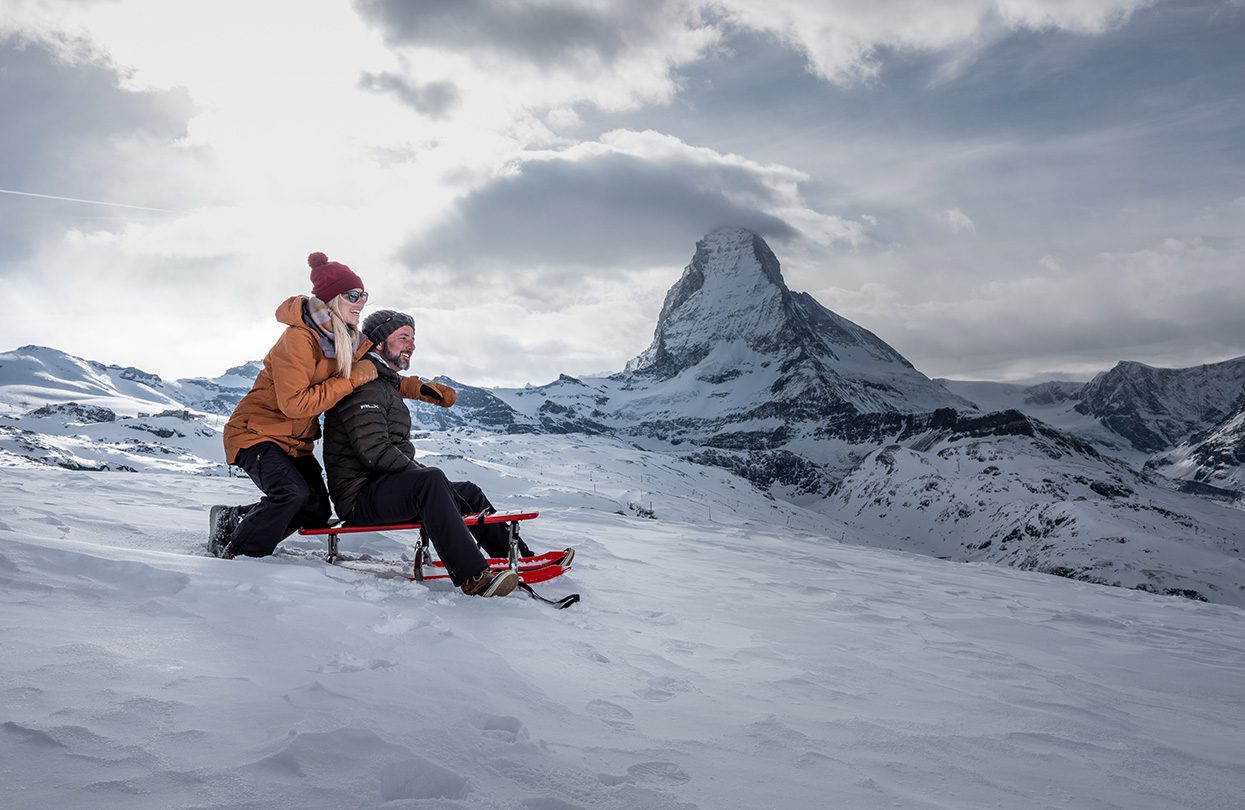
x: 63, y: 411
x: 1183, y: 424
x: 1124, y: 480
x: 1212, y: 460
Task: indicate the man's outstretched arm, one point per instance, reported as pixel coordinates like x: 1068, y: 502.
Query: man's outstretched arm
x: 428, y: 391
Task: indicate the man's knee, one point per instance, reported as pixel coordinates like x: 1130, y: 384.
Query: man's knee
x: 469, y: 492
x: 425, y: 478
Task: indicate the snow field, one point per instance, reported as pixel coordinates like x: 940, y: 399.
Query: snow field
x: 708, y: 666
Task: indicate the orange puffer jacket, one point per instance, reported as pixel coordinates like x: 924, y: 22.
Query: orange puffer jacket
x: 296, y: 385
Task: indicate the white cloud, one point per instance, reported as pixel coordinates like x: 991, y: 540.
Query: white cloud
x: 958, y: 221
x: 1051, y: 265
x: 625, y: 54
x: 78, y: 148
x: 843, y: 38
x: 616, y: 55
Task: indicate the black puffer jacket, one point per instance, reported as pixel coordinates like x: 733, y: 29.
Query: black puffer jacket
x: 367, y: 433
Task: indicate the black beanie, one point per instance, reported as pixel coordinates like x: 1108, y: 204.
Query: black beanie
x: 384, y: 322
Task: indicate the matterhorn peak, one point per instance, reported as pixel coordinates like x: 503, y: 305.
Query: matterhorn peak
x: 739, y: 250
x: 732, y: 291
x: 730, y: 316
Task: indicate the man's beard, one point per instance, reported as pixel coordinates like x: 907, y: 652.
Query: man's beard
x: 397, y: 360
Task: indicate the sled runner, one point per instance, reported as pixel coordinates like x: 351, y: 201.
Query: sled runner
x: 538, y: 568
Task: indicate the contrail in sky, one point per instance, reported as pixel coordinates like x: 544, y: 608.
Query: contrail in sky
x: 75, y: 199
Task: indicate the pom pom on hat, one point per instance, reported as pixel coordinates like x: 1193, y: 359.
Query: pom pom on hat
x: 331, y: 279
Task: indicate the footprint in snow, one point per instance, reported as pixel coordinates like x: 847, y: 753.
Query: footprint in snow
x: 501, y: 727
x: 666, y: 773
x: 675, y: 645
x: 657, y: 618
x: 810, y: 758
x: 610, y: 713
x: 662, y: 688
x: 592, y: 654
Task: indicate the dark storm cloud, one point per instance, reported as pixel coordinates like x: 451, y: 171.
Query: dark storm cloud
x: 603, y: 211
x: 540, y: 32
x: 434, y: 99
x: 1151, y: 108
x: 69, y: 130
x: 1054, y: 144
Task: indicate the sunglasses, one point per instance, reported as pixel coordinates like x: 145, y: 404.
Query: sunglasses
x: 355, y: 296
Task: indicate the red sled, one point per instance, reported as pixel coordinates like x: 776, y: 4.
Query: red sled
x: 538, y: 568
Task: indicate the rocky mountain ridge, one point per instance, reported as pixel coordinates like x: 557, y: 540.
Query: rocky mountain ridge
x: 1155, y: 417
x: 1159, y: 408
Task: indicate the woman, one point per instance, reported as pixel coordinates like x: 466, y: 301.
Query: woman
x: 316, y: 362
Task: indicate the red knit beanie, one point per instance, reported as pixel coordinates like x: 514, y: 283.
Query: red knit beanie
x: 331, y: 279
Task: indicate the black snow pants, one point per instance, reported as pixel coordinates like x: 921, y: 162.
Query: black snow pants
x: 294, y: 498
x: 492, y: 537
x: 425, y: 495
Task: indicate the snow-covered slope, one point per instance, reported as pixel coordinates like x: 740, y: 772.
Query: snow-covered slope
x: 1147, y: 409
x: 1183, y: 424
x: 1054, y: 403
x: 719, y: 659
x: 1214, y: 457
x: 64, y: 411
x: 1037, y: 505
x: 34, y: 376
x: 90, y: 437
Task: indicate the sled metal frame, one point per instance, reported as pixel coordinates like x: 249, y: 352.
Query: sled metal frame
x: 423, y: 551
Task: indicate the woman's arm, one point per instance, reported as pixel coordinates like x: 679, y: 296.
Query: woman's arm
x: 293, y: 366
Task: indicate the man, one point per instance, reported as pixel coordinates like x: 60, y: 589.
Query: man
x: 374, y: 479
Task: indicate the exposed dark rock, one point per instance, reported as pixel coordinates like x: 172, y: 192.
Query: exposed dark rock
x: 162, y: 432
x: 129, y: 373
x: 87, y: 414
x: 1110, y: 490
x: 718, y: 379
x: 765, y: 468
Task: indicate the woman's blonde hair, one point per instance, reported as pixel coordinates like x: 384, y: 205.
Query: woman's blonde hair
x: 343, y: 341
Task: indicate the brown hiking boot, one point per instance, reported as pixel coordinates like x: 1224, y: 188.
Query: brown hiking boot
x: 491, y: 583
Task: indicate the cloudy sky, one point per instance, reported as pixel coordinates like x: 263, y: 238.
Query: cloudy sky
x: 1000, y: 189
